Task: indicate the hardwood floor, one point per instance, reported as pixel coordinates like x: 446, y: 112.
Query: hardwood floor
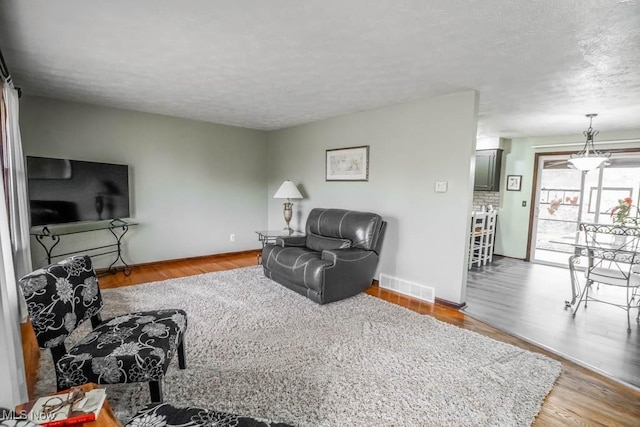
x: 156, y: 271
x: 527, y: 300
x: 580, y: 396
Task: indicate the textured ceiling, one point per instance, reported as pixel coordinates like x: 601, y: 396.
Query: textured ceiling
x: 539, y: 66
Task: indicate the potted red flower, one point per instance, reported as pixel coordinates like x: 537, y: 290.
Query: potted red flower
x: 620, y: 214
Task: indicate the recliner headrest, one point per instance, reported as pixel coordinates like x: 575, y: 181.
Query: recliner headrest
x: 362, y: 228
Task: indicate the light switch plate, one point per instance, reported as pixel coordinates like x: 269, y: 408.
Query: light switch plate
x: 441, y: 186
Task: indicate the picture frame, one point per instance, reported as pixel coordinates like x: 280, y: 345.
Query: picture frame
x: 347, y: 164
x: 514, y: 182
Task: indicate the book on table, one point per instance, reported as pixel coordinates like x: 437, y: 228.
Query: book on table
x: 73, y: 407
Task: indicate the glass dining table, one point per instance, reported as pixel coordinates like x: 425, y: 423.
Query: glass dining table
x: 615, y: 242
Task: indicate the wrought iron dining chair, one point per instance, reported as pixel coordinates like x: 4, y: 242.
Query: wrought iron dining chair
x: 133, y: 347
x: 612, y: 259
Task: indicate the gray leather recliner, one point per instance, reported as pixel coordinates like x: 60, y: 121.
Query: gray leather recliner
x: 336, y: 259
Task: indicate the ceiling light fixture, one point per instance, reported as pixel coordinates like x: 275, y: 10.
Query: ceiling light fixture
x: 589, y: 158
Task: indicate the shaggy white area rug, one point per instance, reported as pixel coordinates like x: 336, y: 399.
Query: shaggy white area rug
x: 256, y: 348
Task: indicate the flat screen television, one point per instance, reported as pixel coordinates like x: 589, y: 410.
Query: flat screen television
x: 64, y: 191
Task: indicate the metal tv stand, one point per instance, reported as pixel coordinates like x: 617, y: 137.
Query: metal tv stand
x: 49, y: 237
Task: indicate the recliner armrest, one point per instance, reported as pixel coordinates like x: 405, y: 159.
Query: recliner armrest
x: 346, y: 255
x: 288, y: 241
x: 349, y: 273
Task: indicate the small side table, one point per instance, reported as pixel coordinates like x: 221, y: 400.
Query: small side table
x: 106, y: 418
x: 269, y: 236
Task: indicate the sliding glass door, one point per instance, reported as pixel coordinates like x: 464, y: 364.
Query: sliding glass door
x: 566, y: 196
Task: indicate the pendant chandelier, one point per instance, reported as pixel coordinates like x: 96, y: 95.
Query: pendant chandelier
x: 589, y: 158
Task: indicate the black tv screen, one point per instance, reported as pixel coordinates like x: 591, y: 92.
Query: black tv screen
x: 63, y: 190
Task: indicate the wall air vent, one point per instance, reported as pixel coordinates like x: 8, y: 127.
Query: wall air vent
x: 415, y: 290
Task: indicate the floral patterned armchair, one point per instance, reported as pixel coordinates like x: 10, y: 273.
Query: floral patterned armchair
x: 134, y: 347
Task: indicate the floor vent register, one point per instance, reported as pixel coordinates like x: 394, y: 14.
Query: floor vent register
x: 415, y: 290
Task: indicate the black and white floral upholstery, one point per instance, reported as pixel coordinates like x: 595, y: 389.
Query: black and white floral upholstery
x: 164, y: 415
x: 134, y: 347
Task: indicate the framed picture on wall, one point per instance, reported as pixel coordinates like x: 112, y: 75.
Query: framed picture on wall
x: 348, y: 164
x: 514, y: 182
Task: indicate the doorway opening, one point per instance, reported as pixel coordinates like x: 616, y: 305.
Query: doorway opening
x: 565, y: 197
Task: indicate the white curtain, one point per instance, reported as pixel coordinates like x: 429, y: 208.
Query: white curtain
x: 12, y: 387
x: 16, y: 186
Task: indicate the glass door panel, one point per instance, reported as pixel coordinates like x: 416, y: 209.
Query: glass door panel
x: 620, y: 179
x: 558, y: 208
x: 565, y: 197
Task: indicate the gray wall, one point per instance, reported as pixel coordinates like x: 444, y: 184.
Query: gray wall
x: 412, y: 146
x: 192, y: 183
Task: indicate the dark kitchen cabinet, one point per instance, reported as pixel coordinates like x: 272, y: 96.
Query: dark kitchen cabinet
x: 488, y: 164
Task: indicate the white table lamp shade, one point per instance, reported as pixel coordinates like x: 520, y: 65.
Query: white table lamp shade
x: 288, y: 190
